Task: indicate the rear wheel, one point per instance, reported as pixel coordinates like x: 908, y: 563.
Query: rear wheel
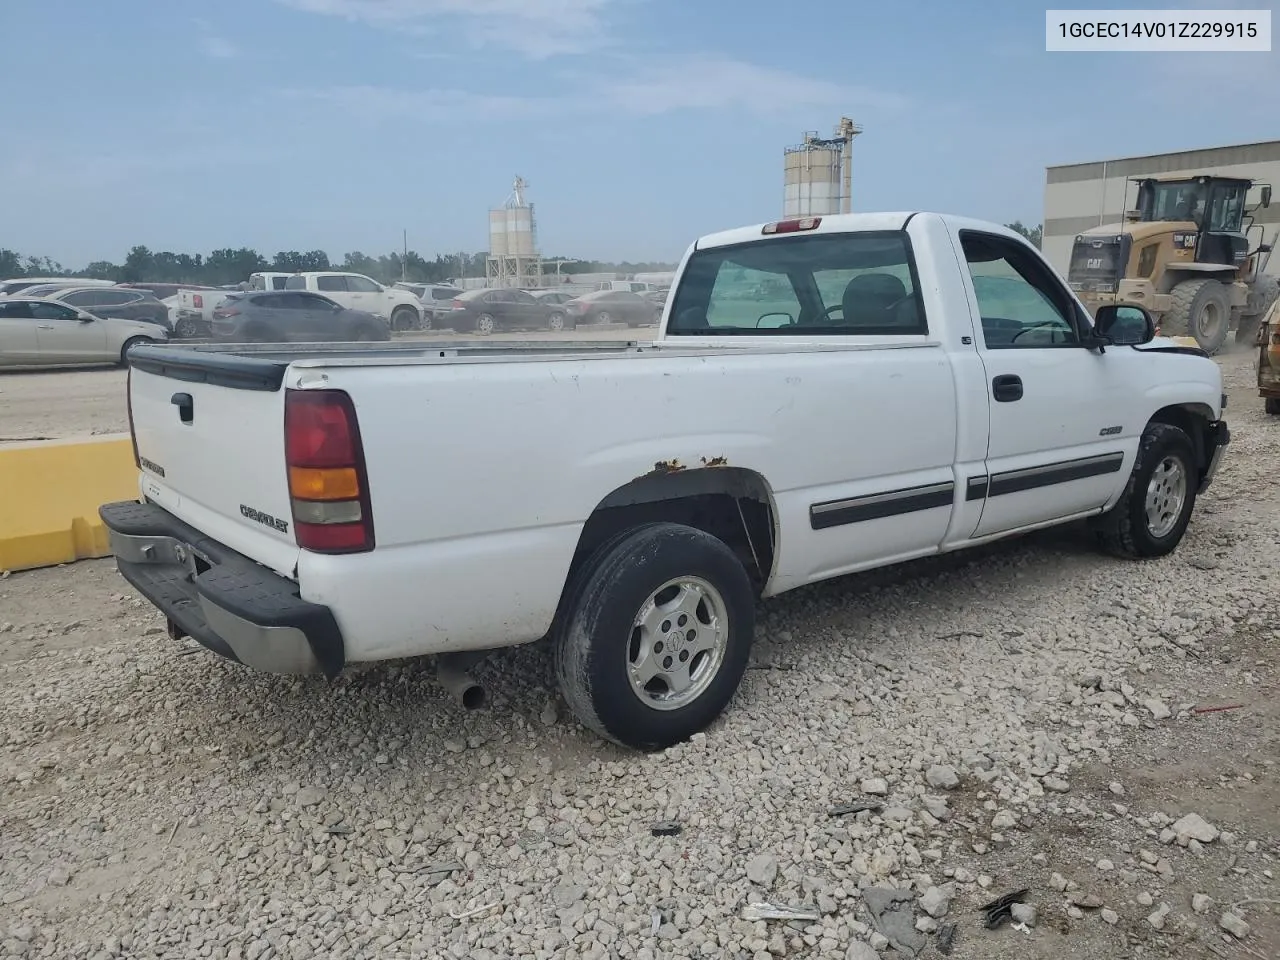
x: 603, y: 317
x: 555, y: 321
x: 485, y: 324
x: 129, y: 345
x: 654, y: 634
x: 1152, y: 514
x: 404, y: 318
x: 368, y: 332
x: 186, y: 328
x: 1201, y: 309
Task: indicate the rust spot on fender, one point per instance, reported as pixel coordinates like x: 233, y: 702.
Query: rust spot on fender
x: 715, y: 462
x: 667, y: 466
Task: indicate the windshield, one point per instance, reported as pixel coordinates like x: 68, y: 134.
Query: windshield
x: 850, y: 284
x: 1174, y: 202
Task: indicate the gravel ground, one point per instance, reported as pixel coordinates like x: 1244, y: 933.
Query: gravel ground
x: 57, y: 404
x: 1024, y: 715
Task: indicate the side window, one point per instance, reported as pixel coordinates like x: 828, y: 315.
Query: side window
x: 52, y: 311
x: 749, y: 297
x: 18, y: 310
x: 309, y: 301
x: 1021, y: 304
x: 331, y: 283
x: 84, y: 298
x: 361, y: 285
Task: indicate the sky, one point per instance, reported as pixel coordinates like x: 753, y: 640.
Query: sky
x: 190, y: 125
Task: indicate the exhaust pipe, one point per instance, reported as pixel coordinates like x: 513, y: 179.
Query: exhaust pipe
x: 454, y: 672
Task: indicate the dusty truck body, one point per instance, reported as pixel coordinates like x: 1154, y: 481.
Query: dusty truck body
x: 910, y: 384
x: 1268, y: 344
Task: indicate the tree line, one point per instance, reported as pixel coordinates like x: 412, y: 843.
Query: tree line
x: 227, y: 266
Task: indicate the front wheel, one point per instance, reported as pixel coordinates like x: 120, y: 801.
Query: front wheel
x: 555, y: 321
x: 603, y: 317
x: 1152, y: 514
x: 129, y: 345
x: 485, y: 324
x: 654, y: 635
x: 186, y: 328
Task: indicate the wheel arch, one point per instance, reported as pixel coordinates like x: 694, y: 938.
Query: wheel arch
x: 1195, y: 420
x: 735, y: 504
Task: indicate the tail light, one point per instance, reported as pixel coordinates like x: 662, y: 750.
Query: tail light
x: 197, y: 301
x: 128, y: 403
x: 455, y: 304
x: 792, y: 226
x: 328, y: 485
x: 221, y: 313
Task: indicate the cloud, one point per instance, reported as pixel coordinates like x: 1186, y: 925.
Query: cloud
x: 719, y: 83
x: 214, y: 46
x: 539, y: 29
x: 379, y: 104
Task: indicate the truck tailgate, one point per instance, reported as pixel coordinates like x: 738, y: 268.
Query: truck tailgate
x: 212, y: 453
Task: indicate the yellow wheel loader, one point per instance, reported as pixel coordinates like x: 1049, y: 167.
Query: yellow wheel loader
x: 1183, y: 254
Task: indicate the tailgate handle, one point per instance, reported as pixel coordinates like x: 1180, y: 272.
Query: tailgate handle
x: 185, y: 405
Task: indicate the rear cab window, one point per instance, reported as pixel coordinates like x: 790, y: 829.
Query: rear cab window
x: 836, y: 284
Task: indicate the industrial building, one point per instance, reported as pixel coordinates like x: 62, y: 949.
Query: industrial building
x: 514, y: 259
x: 1078, y: 196
x: 817, y: 174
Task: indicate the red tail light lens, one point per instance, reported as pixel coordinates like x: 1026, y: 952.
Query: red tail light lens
x: 197, y: 301
x: 223, y: 312
x: 455, y: 304
x: 328, y: 486
x: 792, y: 226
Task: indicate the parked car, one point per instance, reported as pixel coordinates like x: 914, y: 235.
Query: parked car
x: 484, y: 311
x: 357, y: 292
x: 267, y: 280
x: 330, y: 533
x: 554, y: 297
x: 117, y: 302
x: 627, y: 286
x: 164, y: 291
x: 42, y: 291
x: 613, y: 306
x: 22, y: 284
x: 434, y: 297
x: 280, y: 316
x: 36, y: 332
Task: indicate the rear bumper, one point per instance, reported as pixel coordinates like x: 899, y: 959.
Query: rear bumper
x: 220, y: 598
x: 1218, y: 437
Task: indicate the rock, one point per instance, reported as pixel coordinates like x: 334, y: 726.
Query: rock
x: 1194, y: 827
x: 1110, y: 916
x: 894, y: 918
x: 565, y: 895
x: 309, y: 796
x: 548, y: 716
x: 1106, y: 865
x: 876, y: 787
x: 942, y: 777
x: 826, y: 691
x: 1117, y: 788
x: 1157, y: 709
x: 1234, y: 925
x: 860, y: 950
x: 762, y: 870
x: 1157, y: 917
x: 1146, y: 899
x: 926, y: 924
x: 938, y: 808
x: 1201, y: 903
x: 1024, y: 913
x: 1087, y: 901
x: 1004, y: 820
x: 1056, y: 784
x: 935, y: 902
x: 1058, y: 882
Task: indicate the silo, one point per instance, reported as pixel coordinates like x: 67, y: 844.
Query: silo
x: 519, y: 223
x: 816, y: 174
x: 498, y: 232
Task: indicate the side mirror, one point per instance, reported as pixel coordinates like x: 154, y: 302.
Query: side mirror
x: 772, y: 321
x: 1266, y: 195
x: 86, y: 318
x: 1124, y: 324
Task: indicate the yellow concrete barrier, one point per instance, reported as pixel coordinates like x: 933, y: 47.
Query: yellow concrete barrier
x: 50, y: 491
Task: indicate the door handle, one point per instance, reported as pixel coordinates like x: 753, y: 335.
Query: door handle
x: 44, y: 326
x: 1006, y: 388
x: 185, y: 405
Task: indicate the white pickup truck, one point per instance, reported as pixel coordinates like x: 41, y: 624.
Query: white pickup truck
x: 911, y: 384
x: 400, y: 308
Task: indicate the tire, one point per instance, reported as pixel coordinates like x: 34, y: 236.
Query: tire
x: 186, y: 328
x: 1273, y: 406
x: 129, y: 345
x: 404, y: 318
x: 1262, y: 295
x: 1201, y: 309
x: 1130, y: 529
x: 603, y: 317
x: 597, y: 640
x: 556, y: 321
x: 368, y: 333
x: 485, y: 324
